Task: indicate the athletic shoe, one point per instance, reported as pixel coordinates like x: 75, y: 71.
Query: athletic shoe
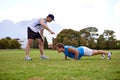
x: 109, y: 55
x: 44, y: 57
x: 28, y: 58
x: 103, y: 56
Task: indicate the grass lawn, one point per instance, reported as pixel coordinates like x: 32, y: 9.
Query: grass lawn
x: 14, y: 67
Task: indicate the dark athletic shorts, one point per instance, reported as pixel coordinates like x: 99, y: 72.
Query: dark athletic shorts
x: 32, y: 34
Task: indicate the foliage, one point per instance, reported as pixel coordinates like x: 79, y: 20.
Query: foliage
x: 68, y: 37
x: 88, y: 37
x: 101, y: 43
x: 45, y: 43
x: 35, y: 44
x: 8, y: 43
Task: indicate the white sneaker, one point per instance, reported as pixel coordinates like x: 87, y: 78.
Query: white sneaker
x: 103, y: 56
x: 28, y: 58
x: 109, y: 55
x: 44, y: 57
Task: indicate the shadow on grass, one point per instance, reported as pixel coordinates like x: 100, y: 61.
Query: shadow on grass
x: 92, y: 59
x: 55, y: 59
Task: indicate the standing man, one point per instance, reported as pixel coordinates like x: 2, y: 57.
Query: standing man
x: 35, y: 31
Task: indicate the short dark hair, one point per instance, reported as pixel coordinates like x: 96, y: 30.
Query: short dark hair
x: 59, y: 45
x: 51, y: 16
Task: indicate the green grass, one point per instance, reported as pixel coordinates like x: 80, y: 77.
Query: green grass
x: 14, y: 67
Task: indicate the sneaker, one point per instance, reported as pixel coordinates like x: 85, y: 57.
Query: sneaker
x: 109, y: 55
x: 44, y: 57
x: 28, y: 58
x: 103, y: 56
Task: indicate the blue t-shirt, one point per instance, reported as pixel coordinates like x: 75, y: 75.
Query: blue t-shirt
x: 72, y: 55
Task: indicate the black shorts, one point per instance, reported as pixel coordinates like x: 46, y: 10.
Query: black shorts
x: 32, y: 34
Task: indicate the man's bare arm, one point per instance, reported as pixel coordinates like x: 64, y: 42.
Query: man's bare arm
x: 46, y: 27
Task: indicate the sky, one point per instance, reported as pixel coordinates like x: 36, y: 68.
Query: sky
x: 74, y: 14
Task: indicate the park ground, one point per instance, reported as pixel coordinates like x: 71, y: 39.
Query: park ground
x: 13, y: 66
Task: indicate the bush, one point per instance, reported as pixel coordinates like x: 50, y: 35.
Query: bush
x: 8, y: 43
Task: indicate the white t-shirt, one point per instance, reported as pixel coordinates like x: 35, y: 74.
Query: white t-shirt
x: 35, y: 25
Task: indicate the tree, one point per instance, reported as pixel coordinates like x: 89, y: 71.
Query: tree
x: 14, y: 44
x: 45, y: 43
x: 108, y: 33
x: 66, y: 41
x: 68, y: 37
x: 110, y: 39
x: 8, y: 38
x: 74, y: 43
x: 85, y: 34
x: 4, y: 43
x: 35, y: 44
x: 92, y: 43
x: 118, y: 45
x: 89, y: 36
x: 8, y: 43
x: 101, y: 43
